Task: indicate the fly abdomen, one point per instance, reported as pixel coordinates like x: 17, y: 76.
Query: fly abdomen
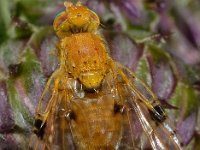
x: 98, y: 123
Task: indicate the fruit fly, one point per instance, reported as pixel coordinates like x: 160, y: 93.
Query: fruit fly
x: 92, y: 102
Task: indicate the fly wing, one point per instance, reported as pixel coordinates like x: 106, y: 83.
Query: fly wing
x: 54, y: 133
x: 133, y: 137
x: 142, y: 105
x: 157, y: 134
x: 51, y: 128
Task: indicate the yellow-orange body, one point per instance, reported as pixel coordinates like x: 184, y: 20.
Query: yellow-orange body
x: 85, y: 58
x: 101, y: 128
x: 75, y: 19
x: 92, y: 101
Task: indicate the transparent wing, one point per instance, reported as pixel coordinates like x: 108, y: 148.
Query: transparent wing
x: 157, y: 134
x: 54, y: 133
x: 141, y: 104
x: 51, y: 127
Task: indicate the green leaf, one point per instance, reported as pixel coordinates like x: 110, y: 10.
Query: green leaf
x: 186, y: 99
x: 158, y: 53
x: 21, y: 115
x: 10, y: 52
x: 4, y: 19
x: 37, y: 38
x: 29, y: 67
x: 143, y: 71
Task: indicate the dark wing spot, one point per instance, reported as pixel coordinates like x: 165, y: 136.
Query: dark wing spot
x: 158, y: 114
x: 118, y: 108
x: 90, y: 90
x: 93, y: 90
x: 182, y: 144
x: 72, y: 115
x: 39, y: 130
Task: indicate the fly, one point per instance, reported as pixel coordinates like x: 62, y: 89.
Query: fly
x: 92, y: 102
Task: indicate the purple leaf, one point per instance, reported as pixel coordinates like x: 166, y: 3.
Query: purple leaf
x: 189, y: 27
x: 44, y: 44
x: 124, y: 50
x: 163, y: 77
x: 7, y: 141
x: 48, y: 55
x: 6, y: 117
x: 132, y: 10
x: 186, y: 128
x: 165, y: 24
x: 98, y: 7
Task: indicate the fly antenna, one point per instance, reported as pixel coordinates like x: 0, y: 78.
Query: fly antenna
x: 68, y: 4
x: 78, y: 3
